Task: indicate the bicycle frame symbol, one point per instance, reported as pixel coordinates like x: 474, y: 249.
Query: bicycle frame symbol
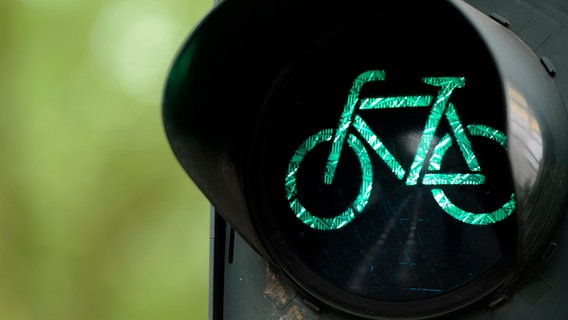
x: 441, y: 107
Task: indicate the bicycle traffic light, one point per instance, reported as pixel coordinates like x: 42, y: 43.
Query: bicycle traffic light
x: 397, y: 159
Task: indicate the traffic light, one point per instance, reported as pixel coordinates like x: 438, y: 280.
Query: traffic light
x: 389, y: 159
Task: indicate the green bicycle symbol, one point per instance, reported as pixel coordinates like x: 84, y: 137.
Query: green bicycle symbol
x: 441, y: 107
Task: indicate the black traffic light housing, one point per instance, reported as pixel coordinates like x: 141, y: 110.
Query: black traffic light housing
x: 266, y: 96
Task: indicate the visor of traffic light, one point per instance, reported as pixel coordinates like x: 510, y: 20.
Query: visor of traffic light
x: 392, y: 160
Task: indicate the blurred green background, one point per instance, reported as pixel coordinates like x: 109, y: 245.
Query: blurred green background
x: 97, y: 218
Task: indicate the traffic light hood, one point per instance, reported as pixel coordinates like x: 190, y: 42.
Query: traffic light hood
x: 392, y: 159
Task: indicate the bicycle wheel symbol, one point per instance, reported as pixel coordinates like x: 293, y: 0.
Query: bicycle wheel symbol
x: 477, y: 218
x: 363, y: 193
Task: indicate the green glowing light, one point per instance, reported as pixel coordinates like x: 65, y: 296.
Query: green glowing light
x: 440, y: 107
x: 379, y: 147
x: 342, y: 219
x: 439, y: 152
x: 395, y: 102
x: 466, y: 179
x: 488, y: 132
x: 346, y: 118
x: 474, y: 218
x: 463, y: 141
x: 447, y: 85
x: 453, y: 179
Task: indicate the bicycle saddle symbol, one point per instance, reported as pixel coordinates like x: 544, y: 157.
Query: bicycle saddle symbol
x: 349, y: 119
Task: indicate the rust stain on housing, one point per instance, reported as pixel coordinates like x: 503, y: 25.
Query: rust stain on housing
x: 274, y: 290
